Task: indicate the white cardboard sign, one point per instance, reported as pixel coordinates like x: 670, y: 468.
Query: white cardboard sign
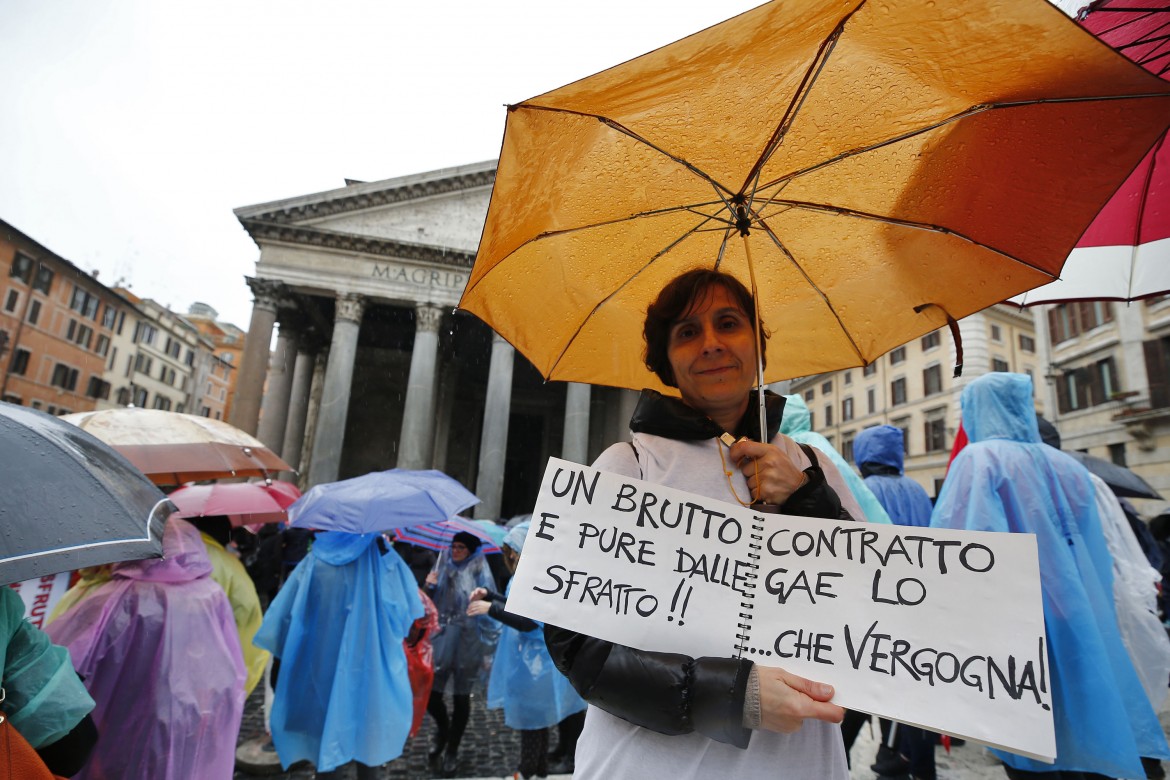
x: 936, y: 628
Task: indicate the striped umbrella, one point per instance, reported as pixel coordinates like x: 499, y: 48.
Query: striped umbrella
x: 438, y: 536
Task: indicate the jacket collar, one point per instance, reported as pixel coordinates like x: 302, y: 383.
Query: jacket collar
x: 671, y: 418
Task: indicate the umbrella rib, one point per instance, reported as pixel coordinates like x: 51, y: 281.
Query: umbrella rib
x: 848, y: 212
x: 942, y: 123
x: 802, y: 92
x: 585, y: 320
x: 619, y: 127
x: 816, y: 288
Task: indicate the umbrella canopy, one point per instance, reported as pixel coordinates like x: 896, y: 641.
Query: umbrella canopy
x: 381, y: 501
x: 438, y: 536
x: 1120, y: 480
x: 1124, y: 255
x: 892, y: 163
x: 173, y: 448
x: 69, y: 500
x: 244, y: 503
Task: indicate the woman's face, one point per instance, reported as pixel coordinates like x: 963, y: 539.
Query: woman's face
x: 712, y: 352
x: 459, y: 552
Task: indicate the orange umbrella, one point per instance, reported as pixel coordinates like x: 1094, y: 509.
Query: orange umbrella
x: 173, y: 448
x: 886, y: 167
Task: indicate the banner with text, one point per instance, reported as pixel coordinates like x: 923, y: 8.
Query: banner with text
x: 936, y: 628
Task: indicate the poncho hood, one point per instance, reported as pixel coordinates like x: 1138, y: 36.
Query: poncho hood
x: 883, y: 445
x: 796, y: 416
x: 515, y: 538
x: 999, y: 406
x: 184, y: 557
x: 338, y: 548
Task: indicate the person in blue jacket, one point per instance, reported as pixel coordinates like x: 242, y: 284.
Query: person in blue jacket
x: 1006, y: 480
x: 880, y: 454
x: 337, y: 625
x: 524, y: 681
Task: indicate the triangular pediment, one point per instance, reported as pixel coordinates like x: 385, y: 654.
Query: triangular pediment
x: 440, y: 210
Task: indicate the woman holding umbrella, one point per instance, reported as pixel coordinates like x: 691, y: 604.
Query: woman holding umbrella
x: 706, y: 717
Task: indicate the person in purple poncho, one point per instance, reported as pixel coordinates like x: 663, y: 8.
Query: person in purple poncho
x: 158, y: 649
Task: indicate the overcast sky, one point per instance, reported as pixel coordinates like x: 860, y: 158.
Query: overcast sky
x: 131, y: 128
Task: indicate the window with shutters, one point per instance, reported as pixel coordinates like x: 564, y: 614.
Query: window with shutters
x: 1157, y: 352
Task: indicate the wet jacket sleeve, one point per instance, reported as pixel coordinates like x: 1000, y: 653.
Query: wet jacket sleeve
x: 497, y: 611
x: 664, y: 692
x: 816, y: 498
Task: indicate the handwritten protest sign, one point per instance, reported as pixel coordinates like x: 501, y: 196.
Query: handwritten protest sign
x: 936, y: 628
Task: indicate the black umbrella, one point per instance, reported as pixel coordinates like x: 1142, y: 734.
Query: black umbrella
x: 1120, y: 480
x: 69, y: 501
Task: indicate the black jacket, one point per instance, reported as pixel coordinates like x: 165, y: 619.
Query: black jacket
x: 667, y: 692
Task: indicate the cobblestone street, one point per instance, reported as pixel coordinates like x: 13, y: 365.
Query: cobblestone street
x: 489, y: 748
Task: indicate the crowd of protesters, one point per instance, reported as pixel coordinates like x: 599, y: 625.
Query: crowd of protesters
x: 147, y: 664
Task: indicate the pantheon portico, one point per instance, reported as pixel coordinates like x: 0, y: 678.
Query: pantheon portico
x: 373, y: 368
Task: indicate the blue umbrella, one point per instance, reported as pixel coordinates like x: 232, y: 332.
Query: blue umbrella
x: 381, y: 501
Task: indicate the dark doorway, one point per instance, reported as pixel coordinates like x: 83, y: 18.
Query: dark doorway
x: 524, y: 464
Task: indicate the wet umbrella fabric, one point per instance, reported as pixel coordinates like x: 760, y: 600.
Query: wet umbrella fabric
x: 438, y: 536
x: 381, y: 501
x: 1124, y: 255
x: 893, y: 163
x: 244, y: 503
x: 173, y: 448
x: 1122, y: 481
x: 69, y: 500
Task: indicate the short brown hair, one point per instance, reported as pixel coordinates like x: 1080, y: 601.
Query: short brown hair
x: 677, y: 298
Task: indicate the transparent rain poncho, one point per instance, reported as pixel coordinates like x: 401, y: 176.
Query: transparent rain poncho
x: 1006, y: 480
x: 524, y: 681
x: 797, y: 425
x: 337, y: 626
x: 44, y: 698
x: 159, y: 653
x: 463, y: 641
x: 883, y: 449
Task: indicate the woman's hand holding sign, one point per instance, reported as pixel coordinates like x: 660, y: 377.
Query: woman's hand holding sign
x: 787, y: 700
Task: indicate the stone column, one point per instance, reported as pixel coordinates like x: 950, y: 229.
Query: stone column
x: 274, y: 409
x: 254, y: 365
x: 417, y: 438
x: 493, y: 446
x: 330, y: 432
x: 298, y: 407
x: 576, y: 442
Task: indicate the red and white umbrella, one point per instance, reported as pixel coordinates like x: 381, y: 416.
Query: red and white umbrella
x: 1124, y: 255
x: 244, y: 503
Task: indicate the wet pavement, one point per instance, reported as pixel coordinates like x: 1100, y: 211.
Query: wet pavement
x: 489, y: 748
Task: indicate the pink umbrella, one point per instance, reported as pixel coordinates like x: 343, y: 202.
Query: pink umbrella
x: 1124, y: 255
x: 245, y: 503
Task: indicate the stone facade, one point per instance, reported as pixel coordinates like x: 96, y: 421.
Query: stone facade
x: 374, y: 367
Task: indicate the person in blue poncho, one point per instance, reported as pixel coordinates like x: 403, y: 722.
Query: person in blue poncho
x: 880, y: 454
x: 855, y: 496
x: 337, y: 625
x: 462, y: 644
x: 524, y: 681
x: 1006, y: 480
